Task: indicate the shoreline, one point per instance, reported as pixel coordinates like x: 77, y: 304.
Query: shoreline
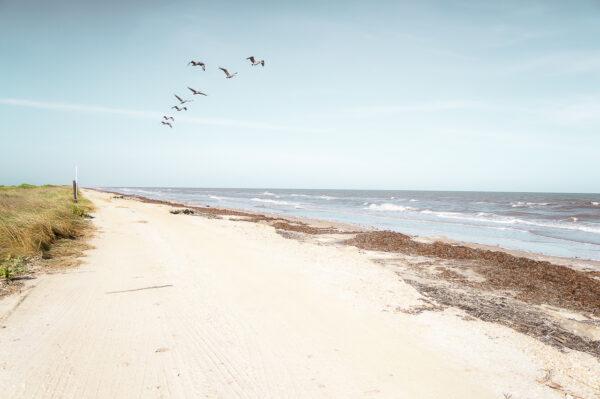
x: 576, y: 263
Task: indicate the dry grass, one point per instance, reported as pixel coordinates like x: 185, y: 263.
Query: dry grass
x: 32, y: 219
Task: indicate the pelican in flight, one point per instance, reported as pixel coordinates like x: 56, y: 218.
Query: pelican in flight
x: 181, y: 101
x: 261, y: 62
x: 198, y: 63
x: 166, y: 123
x: 228, y: 75
x: 196, y: 91
x: 179, y: 109
x: 168, y: 117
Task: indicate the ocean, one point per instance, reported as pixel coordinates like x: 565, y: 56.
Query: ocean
x: 557, y: 224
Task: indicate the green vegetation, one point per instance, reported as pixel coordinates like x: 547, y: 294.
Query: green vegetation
x: 12, y: 266
x: 34, y: 219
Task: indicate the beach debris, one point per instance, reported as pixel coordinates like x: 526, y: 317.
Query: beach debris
x: 532, y: 281
x: 194, y: 91
x: 167, y: 124
x: 184, y: 211
x: 179, y: 109
x: 227, y: 74
x: 182, y: 101
x: 168, y: 117
x: 197, y: 63
x: 251, y: 58
x: 140, y: 289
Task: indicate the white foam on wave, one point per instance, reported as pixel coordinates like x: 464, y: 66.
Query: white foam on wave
x: 595, y: 203
x: 269, y: 193
x: 389, y: 207
x: 216, y: 197
x: 325, y: 197
x: 520, y: 204
x: 491, y: 218
x: 414, y: 200
x: 276, y: 202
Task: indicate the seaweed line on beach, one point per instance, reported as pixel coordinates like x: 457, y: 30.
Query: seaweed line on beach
x: 508, y: 312
x: 534, y: 282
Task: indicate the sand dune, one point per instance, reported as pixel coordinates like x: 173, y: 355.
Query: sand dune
x: 177, y: 306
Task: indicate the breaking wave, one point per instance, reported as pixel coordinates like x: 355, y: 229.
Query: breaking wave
x: 276, y: 202
x: 520, y: 204
x: 492, y: 218
x: 389, y: 207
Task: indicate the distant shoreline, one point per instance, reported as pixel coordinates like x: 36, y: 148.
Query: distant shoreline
x: 574, y: 262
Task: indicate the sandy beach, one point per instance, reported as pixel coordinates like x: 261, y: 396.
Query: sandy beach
x: 189, y: 306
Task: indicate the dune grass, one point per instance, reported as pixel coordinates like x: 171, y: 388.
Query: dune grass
x: 38, y: 220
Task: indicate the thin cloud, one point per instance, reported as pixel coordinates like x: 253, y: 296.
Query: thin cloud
x: 558, y: 63
x: 154, y: 115
x: 75, y: 107
x: 431, y: 107
x: 435, y: 106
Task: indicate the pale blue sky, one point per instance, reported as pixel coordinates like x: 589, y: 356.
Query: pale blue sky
x: 462, y: 95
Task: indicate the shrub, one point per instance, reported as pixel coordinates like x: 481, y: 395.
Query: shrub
x: 77, y: 211
x: 12, y: 266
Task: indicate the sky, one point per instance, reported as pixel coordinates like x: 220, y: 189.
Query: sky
x: 429, y: 95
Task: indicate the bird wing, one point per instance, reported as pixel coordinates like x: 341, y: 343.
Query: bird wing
x: 203, y: 66
x: 202, y: 93
x: 177, y: 97
x: 224, y: 70
x: 191, y: 62
x: 175, y: 106
x: 251, y: 58
x: 192, y: 90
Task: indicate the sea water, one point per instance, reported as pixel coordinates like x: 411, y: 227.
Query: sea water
x: 555, y: 224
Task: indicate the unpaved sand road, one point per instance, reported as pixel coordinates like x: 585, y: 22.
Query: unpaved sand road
x: 174, y: 306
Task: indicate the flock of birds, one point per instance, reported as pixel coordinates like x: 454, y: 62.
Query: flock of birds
x: 181, y: 106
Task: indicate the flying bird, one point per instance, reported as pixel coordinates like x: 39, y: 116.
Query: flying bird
x: 198, y: 63
x: 228, y: 75
x: 196, y: 91
x: 261, y: 62
x: 179, y: 109
x: 167, y: 123
x: 169, y: 117
x: 181, y: 101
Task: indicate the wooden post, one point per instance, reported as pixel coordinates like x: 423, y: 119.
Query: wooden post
x: 74, y: 191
